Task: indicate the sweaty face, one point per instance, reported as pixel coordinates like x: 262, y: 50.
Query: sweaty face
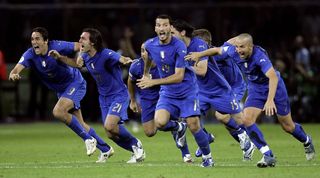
x: 163, y: 30
x: 85, y: 44
x: 176, y: 33
x: 39, y: 46
x: 244, y: 48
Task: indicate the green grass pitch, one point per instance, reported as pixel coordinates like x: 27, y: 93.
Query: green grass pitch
x: 52, y: 150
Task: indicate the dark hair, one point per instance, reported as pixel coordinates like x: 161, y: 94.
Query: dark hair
x: 181, y: 25
x: 164, y: 16
x: 95, y: 38
x: 203, y: 34
x: 43, y: 31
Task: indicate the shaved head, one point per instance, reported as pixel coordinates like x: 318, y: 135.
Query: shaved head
x: 244, y: 45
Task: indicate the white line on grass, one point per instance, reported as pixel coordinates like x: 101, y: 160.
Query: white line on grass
x: 88, y: 164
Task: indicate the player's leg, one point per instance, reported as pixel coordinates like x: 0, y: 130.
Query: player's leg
x: 250, y: 116
x: 106, y: 151
x: 61, y: 112
x: 297, y: 132
x: 114, y: 112
x: 201, y: 138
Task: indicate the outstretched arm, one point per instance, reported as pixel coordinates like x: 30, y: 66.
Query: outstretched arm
x: 69, y: 61
x: 270, y: 107
x: 125, y: 60
x: 195, y: 56
x: 15, y: 72
x: 177, y: 77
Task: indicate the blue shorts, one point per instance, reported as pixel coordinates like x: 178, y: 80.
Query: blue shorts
x: 148, y: 108
x: 180, y: 108
x: 225, y: 104
x: 75, y: 92
x: 239, y: 92
x: 257, y: 98
x: 114, y: 105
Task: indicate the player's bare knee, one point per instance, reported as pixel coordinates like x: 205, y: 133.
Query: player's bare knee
x: 150, y: 133
x: 193, y: 126
x: 289, y: 128
x: 58, y: 112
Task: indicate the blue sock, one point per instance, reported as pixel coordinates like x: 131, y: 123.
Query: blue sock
x: 101, y: 145
x: 170, y: 126
x: 202, y: 141
x: 299, y: 133
x: 126, y: 140
x: 257, y: 138
x: 232, y: 124
x: 243, y: 127
x: 234, y: 134
x: 78, y: 129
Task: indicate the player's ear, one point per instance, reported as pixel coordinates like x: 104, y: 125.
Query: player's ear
x: 183, y: 33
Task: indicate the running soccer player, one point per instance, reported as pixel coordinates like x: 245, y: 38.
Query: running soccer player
x: 215, y: 92
x: 66, y: 81
x: 231, y: 72
x: 266, y: 92
x: 148, y: 100
x: 179, y: 90
x: 103, y: 65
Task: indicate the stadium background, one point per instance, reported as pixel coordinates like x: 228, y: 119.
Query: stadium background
x: 275, y: 25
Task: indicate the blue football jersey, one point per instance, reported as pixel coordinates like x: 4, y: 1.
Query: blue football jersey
x: 167, y: 57
x: 55, y: 74
x: 105, y: 69
x: 136, y: 72
x: 213, y: 83
x: 255, y: 68
x: 229, y: 68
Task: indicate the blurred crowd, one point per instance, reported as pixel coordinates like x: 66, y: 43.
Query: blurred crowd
x: 290, y: 34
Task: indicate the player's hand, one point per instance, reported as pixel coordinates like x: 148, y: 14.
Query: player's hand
x: 125, y: 60
x: 55, y: 54
x: 14, y: 77
x: 270, y: 108
x: 145, y: 82
x: 193, y: 56
x: 134, y: 106
x: 79, y: 61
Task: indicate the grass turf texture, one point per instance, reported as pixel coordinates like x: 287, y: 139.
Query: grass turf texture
x: 52, y: 150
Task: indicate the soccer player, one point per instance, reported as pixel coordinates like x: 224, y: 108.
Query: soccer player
x: 231, y: 72
x: 179, y: 90
x: 148, y: 101
x: 66, y: 81
x: 266, y: 92
x: 214, y: 90
x: 104, y: 66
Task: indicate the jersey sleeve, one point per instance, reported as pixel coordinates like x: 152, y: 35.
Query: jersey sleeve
x: 202, y: 46
x: 264, y: 63
x: 25, y: 59
x: 227, y: 51
x: 133, y: 71
x: 181, y: 51
x: 64, y: 47
x: 112, y: 57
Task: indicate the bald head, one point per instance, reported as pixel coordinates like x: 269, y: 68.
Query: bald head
x: 244, y: 45
x: 246, y: 38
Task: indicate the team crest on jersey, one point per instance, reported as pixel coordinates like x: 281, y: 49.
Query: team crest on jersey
x: 92, y: 66
x: 44, y: 64
x: 162, y: 54
x: 246, y: 65
x: 71, y: 91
